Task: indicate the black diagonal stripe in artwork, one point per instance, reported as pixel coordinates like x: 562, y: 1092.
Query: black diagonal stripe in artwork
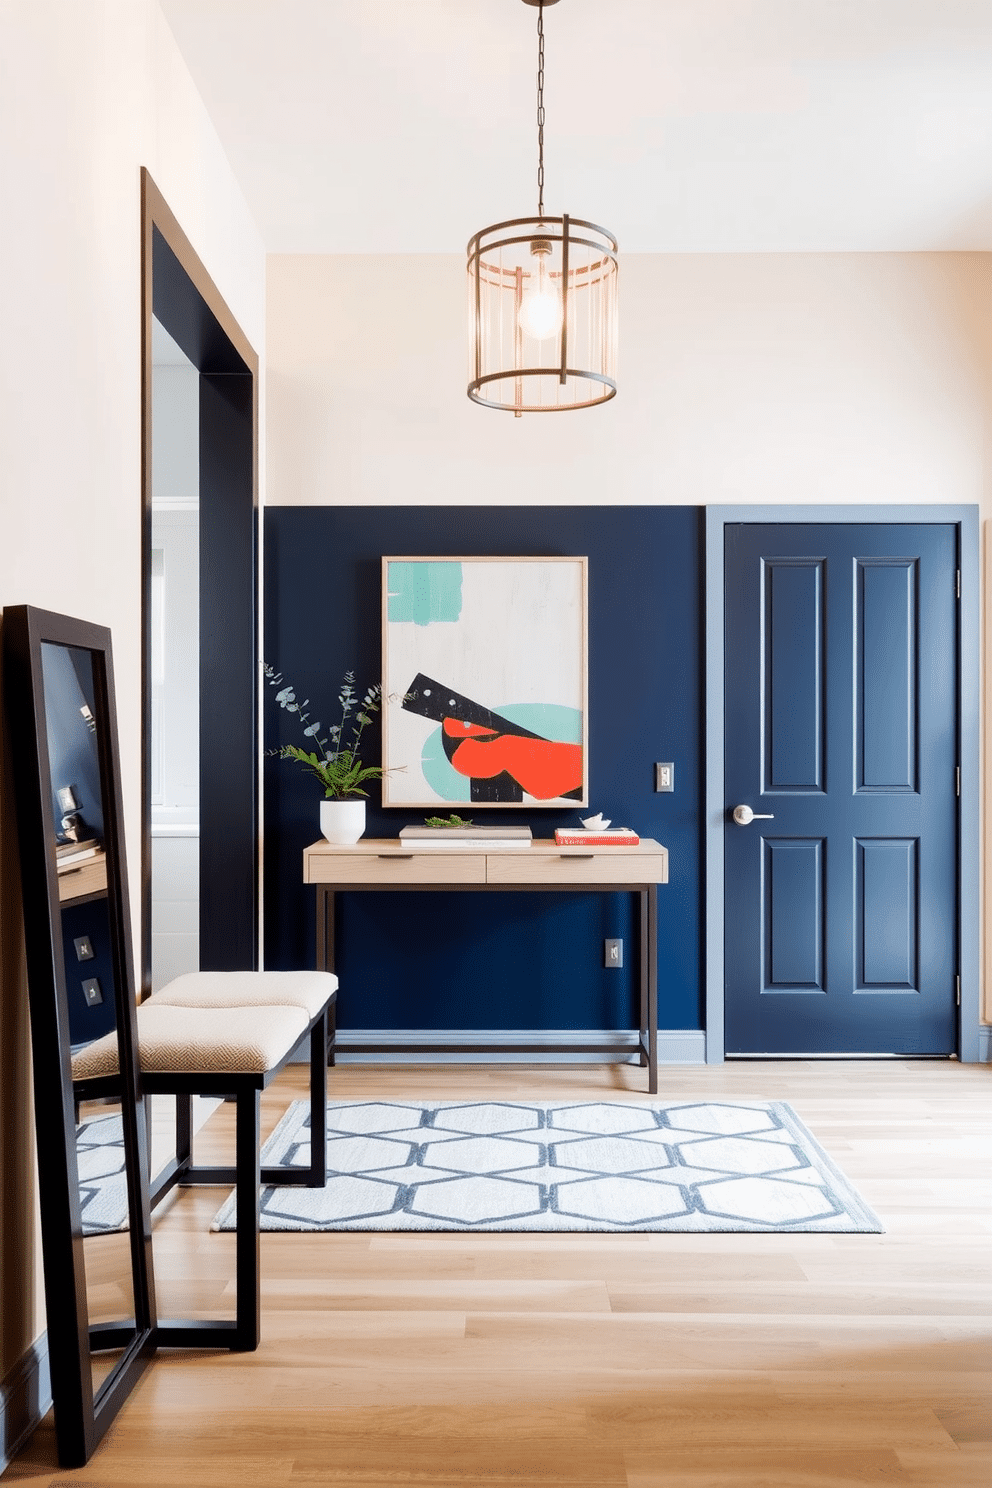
x: 497, y: 790
x: 431, y: 699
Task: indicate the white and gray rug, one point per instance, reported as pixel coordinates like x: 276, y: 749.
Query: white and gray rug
x: 449, y: 1165
x: 102, y: 1186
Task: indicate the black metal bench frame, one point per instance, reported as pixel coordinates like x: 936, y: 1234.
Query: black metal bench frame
x: 243, y: 1332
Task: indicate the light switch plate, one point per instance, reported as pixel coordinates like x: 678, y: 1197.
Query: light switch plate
x: 84, y: 948
x: 664, y: 777
x: 92, y: 992
x: 613, y: 954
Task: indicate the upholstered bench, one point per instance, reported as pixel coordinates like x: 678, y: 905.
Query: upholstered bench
x: 313, y: 991
x: 225, y: 1034
x: 310, y: 990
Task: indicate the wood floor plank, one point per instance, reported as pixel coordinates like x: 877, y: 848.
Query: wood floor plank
x: 597, y: 1361
x: 774, y: 1468
x: 512, y: 1295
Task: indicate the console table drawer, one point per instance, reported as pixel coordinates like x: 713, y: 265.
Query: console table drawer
x: 562, y: 867
x: 391, y: 868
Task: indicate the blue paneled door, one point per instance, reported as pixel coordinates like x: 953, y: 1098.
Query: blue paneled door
x: 841, y: 727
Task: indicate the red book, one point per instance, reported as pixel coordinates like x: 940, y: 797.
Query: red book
x: 619, y: 837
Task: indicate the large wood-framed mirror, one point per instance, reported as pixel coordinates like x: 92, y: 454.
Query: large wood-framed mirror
x: 92, y: 1142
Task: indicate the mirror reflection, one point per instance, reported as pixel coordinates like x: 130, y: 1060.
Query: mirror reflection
x: 174, y: 615
x: 81, y: 847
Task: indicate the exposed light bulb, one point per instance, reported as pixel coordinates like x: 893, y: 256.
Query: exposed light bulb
x: 540, y: 308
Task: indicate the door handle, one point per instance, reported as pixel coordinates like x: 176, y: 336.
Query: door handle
x: 744, y: 816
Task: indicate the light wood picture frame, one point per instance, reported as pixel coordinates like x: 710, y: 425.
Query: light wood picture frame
x: 485, y: 682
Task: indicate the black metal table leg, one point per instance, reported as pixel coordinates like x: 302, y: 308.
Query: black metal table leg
x: 332, y: 1034
x: 651, y: 915
x: 325, y: 954
x: 644, y: 983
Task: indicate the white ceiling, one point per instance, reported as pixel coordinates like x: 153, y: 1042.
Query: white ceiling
x: 403, y: 126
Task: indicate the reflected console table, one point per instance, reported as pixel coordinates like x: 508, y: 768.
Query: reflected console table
x: 377, y: 864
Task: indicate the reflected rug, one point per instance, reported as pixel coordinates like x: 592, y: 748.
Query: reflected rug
x: 102, y: 1189
x: 603, y: 1166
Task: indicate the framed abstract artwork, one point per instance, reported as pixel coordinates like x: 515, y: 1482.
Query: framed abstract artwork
x: 484, y: 666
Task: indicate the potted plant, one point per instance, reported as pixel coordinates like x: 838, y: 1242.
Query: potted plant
x: 335, y: 760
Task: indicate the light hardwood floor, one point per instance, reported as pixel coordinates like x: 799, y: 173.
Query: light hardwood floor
x: 758, y: 1361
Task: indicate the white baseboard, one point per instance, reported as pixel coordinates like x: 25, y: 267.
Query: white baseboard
x: 675, y: 1046
x: 985, y: 1043
x: 25, y: 1397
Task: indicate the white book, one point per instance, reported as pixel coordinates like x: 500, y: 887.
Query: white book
x: 464, y: 834
x: 69, y: 860
x: 465, y: 844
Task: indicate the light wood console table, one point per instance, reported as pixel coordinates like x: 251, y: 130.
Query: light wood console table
x: 376, y: 864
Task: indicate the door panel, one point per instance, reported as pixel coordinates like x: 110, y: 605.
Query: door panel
x: 888, y: 621
x: 841, y: 708
x: 793, y: 897
x: 792, y: 647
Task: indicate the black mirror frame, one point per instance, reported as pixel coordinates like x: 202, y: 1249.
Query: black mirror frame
x: 82, y: 1416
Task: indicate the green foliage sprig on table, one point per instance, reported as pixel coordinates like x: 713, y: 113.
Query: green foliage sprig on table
x: 334, y: 760
x: 454, y: 820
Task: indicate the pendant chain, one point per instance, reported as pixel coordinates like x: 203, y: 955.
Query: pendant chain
x: 540, y: 111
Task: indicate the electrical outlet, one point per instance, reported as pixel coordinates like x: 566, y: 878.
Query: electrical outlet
x: 91, y: 991
x: 613, y: 954
x: 84, y: 948
x: 664, y: 777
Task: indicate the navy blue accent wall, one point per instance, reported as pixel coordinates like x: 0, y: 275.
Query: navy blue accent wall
x: 92, y: 919
x: 72, y: 748
x: 512, y: 961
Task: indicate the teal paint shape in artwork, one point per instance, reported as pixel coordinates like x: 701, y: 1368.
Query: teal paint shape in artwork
x: 426, y: 593
x: 445, y: 782
x: 550, y: 720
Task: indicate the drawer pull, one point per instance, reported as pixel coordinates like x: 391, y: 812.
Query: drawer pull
x: 571, y: 857
x: 394, y: 857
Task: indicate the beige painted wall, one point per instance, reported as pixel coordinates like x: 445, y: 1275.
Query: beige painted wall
x: 88, y: 94
x: 775, y: 378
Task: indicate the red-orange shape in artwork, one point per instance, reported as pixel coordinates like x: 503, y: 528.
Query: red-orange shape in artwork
x: 543, y: 768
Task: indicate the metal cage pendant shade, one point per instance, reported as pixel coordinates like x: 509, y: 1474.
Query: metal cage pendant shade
x: 542, y: 304
x: 542, y: 315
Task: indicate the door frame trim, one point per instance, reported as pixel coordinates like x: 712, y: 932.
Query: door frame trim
x: 966, y: 519
x: 230, y: 843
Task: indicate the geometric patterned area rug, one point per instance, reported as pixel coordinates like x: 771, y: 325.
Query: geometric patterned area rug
x: 102, y: 1187
x: 601, y: 1165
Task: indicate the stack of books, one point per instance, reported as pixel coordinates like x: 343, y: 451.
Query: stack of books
x: 71, y: 854
x: 466, y: 839
x: 609, y: 837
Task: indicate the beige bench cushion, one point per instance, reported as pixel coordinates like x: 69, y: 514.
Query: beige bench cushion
x: 208, y: 1041
x: 309, y: 990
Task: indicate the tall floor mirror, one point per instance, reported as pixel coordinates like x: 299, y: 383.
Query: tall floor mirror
x: 91, y: 1139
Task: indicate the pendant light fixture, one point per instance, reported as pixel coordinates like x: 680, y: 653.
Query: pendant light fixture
x: 542, y: 302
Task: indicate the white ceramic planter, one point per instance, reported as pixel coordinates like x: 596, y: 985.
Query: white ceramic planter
x: 342, y: 822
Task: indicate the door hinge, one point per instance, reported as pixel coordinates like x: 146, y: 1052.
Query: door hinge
x: 957, y: 990
x: 958, y: 583
x: 957, y: 780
